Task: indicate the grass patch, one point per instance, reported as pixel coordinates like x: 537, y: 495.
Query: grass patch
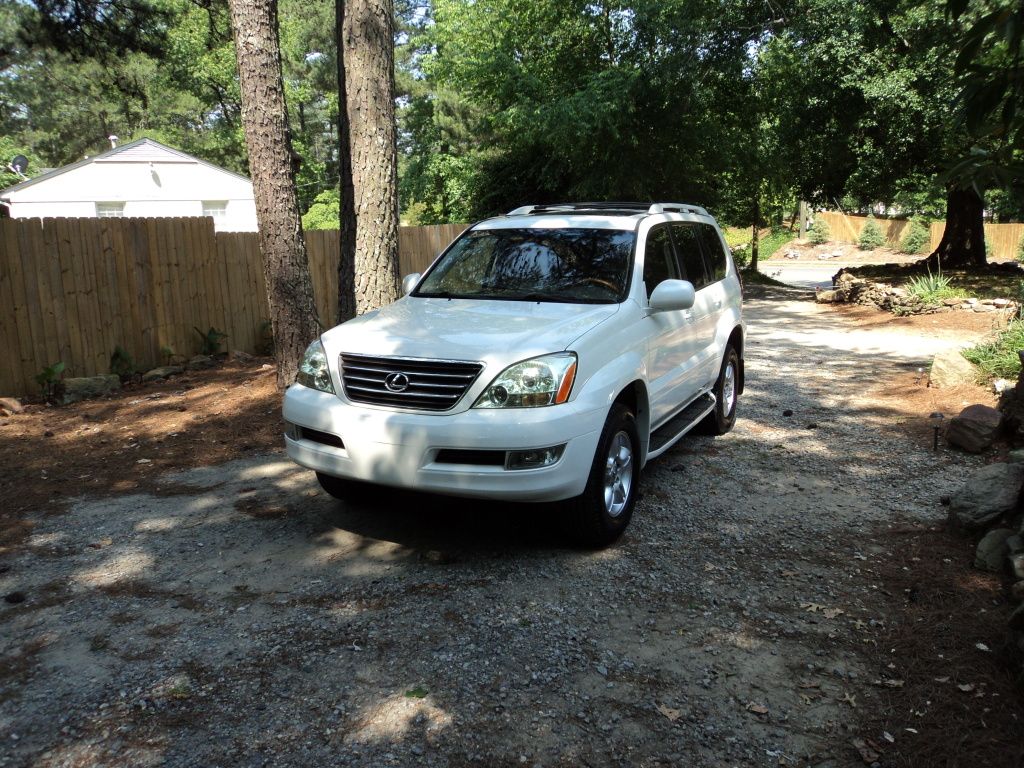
x: 998, y: 358
x: 755, y: 277
x: 769, y: 241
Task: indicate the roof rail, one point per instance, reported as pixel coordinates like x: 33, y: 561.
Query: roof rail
x: 627, y: 208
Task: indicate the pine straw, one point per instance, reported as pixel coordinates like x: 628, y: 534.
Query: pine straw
x: 941, y: 610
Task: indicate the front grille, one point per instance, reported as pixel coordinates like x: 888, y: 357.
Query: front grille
x: 429, y: 385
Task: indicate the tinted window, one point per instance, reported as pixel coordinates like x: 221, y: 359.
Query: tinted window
x: 690, y: 257
x: 659, y: 261
x: 714, y: 251
x: 562, y: 265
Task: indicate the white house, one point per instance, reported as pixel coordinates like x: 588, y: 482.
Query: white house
x: 141, y: 178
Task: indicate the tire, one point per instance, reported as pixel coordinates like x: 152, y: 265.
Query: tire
x: 345, y: 490
x: 726, y: 392
x: 598, y: 516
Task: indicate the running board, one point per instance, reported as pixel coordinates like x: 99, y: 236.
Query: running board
x: 665, y: 436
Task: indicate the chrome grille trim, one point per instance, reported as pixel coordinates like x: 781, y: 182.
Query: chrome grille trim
x: 433, y: 385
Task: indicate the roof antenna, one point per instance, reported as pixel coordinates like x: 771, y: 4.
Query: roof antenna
x: 113, y: 141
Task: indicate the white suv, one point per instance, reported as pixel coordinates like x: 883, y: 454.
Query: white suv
x: 545, y: 355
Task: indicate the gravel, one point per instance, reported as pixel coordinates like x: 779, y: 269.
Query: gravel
x: 241, y: 617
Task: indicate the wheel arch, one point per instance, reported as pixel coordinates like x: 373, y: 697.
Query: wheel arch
x: 736, y: 342
x: 634, y: 397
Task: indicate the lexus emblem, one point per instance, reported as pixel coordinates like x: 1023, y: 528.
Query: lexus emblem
x: 396, y: 382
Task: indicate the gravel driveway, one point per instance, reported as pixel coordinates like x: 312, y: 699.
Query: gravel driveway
x: 242, y: 618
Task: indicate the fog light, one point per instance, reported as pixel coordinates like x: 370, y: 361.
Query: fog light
x: 291, y: 430
x: 539, y: 457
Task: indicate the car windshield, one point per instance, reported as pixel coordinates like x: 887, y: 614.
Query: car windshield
x: 562, y: 265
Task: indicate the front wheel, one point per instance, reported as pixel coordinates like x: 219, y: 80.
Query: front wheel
x: 599, y: 515
x: 726, y: 391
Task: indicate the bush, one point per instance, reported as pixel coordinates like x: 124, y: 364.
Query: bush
x: 1020, y: 249
x: 819, y: 232
x: 933, y: 288
x: 998, y: 358
x: 916, y: 239
x: 871, y: 236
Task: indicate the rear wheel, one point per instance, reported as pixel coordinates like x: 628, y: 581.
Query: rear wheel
x: 344, y: 489
x: 726, y: 391
x: 599, y: 515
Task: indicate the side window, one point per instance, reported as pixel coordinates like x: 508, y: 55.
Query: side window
x: 690, y: 256
x: 659, y: 261
x: 715, y: 252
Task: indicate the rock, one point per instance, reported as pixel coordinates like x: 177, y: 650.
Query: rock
x: 951, y: 369
x: 827, y: 297
x: 85, y: 387
x: 984, y: 308
x: 14, y: 598
x: 1001, y: 303
x: 1001, y: 385
x: 11, y: 405
x: 241, y: 357
x: 787, y: 413
x: 1017, y: 592
x: 1015, y: 544
x: 970, y: 302
x: 162, y: 372
x: 200, y: 362
x: 1017, y: 565
x: 975, y: 429
x: 951, y: 302
x: 991, y: 552
x: 899, y: 292
x: 989, y: 493
x: 1017, y: 618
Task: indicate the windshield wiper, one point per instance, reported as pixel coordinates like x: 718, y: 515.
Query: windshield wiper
x: 541, y: 296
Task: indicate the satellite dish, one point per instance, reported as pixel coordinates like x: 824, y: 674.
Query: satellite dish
x: 19, y: 164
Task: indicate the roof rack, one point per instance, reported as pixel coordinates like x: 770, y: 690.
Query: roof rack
x: 626, y: 208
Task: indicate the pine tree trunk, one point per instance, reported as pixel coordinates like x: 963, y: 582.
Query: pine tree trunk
x: 368, y: 74
x: 268, y: 141
x: 963, y: 241
x: 755, y: 243
x: 347, y: 211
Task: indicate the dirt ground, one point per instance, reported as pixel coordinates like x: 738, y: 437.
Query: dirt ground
x: 177, y: 593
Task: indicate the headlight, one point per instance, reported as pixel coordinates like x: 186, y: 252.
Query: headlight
x: 313, y: 371
x: 541, y: 381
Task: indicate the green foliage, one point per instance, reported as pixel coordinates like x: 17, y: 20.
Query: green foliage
x: 325, y: 212
x: 932, y: 289
x: 871, y: 236
x: 167, y: 353
x: 998, y: 358
x: 1020, y: 249
x: 51, y: 381
x: 819, y: 233
x: 121, y: 363
x: 916, y: 238
x: 775, y: 239
x: 211, y: 341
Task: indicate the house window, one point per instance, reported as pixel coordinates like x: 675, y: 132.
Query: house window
x: 218, y: 209
x: 109, y: 210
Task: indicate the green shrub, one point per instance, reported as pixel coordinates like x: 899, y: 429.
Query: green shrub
x: 871, y: 236
x: 998, y: 358
x: 933, y: 288
x: 325, y: 212
x: 819, y: 232
x: 121, y: 363
x: 1020, y: 249
x: 916, y: 239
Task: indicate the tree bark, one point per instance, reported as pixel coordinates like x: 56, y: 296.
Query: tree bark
x: 347, y: 208
x: 366, y: 69
x: 268, y: 141
x: 963, y: 242
x: 755, y: 243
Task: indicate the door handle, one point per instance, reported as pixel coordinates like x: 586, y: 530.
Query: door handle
x: 718, y: 303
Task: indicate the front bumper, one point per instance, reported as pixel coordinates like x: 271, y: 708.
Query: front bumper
x: 400, y: 448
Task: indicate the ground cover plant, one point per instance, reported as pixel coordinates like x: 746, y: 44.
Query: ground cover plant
x: 998, y: 358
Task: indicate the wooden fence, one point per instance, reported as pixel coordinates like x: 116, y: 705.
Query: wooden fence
x: 72, y: 290
x: 1002, y: 239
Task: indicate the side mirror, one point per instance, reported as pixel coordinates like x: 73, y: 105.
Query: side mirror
x: 409, y: 282
x: 672, y: 295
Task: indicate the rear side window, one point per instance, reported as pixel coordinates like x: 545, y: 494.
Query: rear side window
x: 717, y: 259
x: 659, y: 261
x: 690, y: 257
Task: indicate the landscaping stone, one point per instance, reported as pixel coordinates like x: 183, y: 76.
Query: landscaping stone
x: 1015, y: 544
x: 827, y: 297
x: 241, y: 357
x: 951, y: 369
x: 1017, y: 565
x: 1017, y: 592
x: 163, y: 372
x: 1017, y: 618
x: 992, y: 550
x: 200, y: 362
x: 10, y: 405
x: 984, y: 308
x: 975, y: 429
x: 988, y: 494
x: 83, y: 388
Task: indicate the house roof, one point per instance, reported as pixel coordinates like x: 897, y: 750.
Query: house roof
x: 138, y: 151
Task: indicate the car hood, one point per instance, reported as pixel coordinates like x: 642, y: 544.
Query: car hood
x: 466, y: 329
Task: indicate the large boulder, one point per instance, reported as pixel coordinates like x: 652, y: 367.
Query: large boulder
x: 951, y: 369
x: 86, y: 387
x: 992, y: 550
x: 988, y: 494
x: 163, y: 372
x: 975, y: 429
x: 10, y: 406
